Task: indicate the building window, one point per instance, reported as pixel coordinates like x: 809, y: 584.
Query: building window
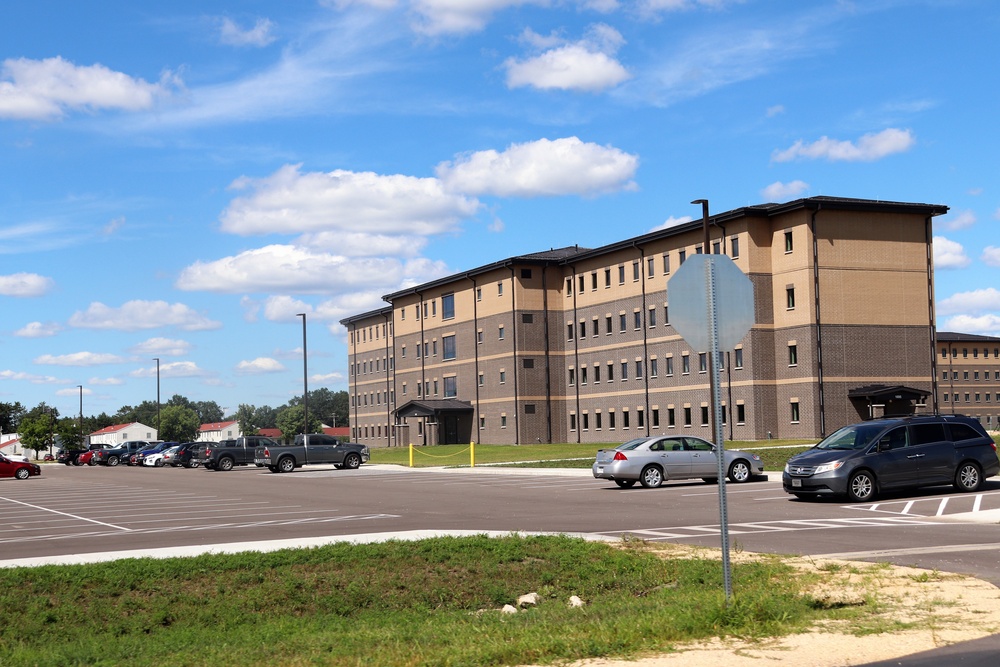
x: 704, y: 415
x: 795, y: 412
x: 637, y: 320
x: 435, y: 387
x: 434, y: 347
x: 716, y: 247
x: 621, y: 274
x: 790, y: 298
x: 655, y: 417
x: 527, y: 318
x: 621, y: 323
x: 611, y: 420
x: 607, y: 278
x: 734, y: 246
x: 572, y: 377
x: 503, y: 377
x: 597, y: 374
x: 450, y: 387
x: 624, y: 371
x: 788, y: 241
x: 652, y: 316
x: 638, y: 369
x: 685, y: 364
x: 738, y: 352
x: 500, y: 289
x: 529, y: 363
x: 653, y: 367
x: 611, y: 371
x: 529, y: 408
x: 670, y: 366
x: 597, y: 421
x: 569, y: 331
x: 640, y: 418
x: 479, y: 294
x: 583, y: 328
x: 625, y: 419
x: 595, y: 328
x: 793, y: 355
x: 503, y: 421
x: 666, y: 263
x: 635, y: 270
x: 702, y: 362
x: 479, y: 337
x: 482, y: 422
x: 607, y: 324
x: 402, y: 351
x: 681, y: 256
x: 581, y: 284
x: 585, y: 421
x: 651, y: 267
x: 671, y: 418
x: 583, y: 375
x: 482, y: 379
x: 687, y: 417
x: 500, y: 333
x: 572, y: 422
x: 525, y: 274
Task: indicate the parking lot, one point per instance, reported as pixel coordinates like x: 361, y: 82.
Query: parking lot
x: 78, y: 512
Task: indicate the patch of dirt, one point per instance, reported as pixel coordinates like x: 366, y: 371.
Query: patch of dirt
x: 944, y: 609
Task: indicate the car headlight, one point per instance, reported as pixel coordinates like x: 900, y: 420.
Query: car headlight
x: 827, y: 467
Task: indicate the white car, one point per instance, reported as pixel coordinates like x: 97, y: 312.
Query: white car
x: 16, y: 457
x: 155, y: 460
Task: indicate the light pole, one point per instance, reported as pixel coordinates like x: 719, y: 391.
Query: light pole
x: 80, y: 387
x: 157, y: 360
x: 305, y: 383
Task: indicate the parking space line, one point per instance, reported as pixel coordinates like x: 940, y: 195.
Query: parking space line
x: 73, y: 516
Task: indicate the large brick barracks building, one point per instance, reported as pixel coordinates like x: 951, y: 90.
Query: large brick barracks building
x: 575, y: 344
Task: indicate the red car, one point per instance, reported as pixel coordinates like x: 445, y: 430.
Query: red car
x: 18, y: 469
x: 87, y: 458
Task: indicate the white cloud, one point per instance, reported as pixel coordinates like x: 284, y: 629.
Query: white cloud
x: 545, y: 167
x: 47, y: 89
x: 289, y: 201
x: 870, y: 147
x: 30, y: 377
x: 234, y: 35
x: 104, y: 382
x: 285, y: 309
x: 991, y: 255
x: 161, y: 347
x: 328, y: 378
x: 25, y: 285
x: 38, y: 330
x: 983, y: 324
x: 672, y: 222
x: 137, y: 315
x: 647, y: 7
x: 292, y: 269
x: 259, y: 365
x: 175, y: 369
x: 776, y: 110
x: 949, y: 254
x: 587, y: 65
x: 961, y: 220
x: 79, y: 359
x: 976, y: 301
x: 435, y: 17
x: 113, y: 226
x: 779, y: 191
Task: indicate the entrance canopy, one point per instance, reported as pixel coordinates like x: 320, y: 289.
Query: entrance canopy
x: 879, y: 400
x: 433, y: 409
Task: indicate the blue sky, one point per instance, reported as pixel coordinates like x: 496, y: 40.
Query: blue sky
x: 179, y: 179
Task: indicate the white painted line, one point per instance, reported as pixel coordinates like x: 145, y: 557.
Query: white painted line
x: 977, y: 502
x: 941, y: 506
x: 907, y: 506
x: 72, y: 516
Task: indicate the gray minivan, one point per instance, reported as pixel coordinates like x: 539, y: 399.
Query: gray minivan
x: 861, y: 460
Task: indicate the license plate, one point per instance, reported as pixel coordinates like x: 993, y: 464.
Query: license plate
x: 796, y: 482
x: 600, y: 471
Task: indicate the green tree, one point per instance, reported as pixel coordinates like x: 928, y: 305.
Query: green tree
x: 68, y: 431
x: 265, y: 417
x: 179, y: 424
x: 208, y: 411
x: 10, y: 416
x: 36, y: 432
x: 290, y: 422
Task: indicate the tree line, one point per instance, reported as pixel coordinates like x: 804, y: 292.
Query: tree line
x: 178, y: 419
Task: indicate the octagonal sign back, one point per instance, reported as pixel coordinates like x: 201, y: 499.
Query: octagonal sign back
x: 688, y: 297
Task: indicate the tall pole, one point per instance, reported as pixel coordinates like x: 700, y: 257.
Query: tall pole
x: 157, y: 360
x: 305, y: 382
x: 80, y: 387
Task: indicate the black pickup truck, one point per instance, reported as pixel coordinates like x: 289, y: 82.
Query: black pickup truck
x: 319, y: 448
x: 228, y: 453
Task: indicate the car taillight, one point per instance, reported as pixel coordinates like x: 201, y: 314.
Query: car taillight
x: 267, y: 453
x: 208, y: 452
x: 620, y: 457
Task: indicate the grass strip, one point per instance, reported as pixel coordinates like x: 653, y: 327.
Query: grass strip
x: 431, y: 602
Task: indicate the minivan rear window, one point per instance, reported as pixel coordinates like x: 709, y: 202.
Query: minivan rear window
x: 963, y: 432
x: 922, y: 434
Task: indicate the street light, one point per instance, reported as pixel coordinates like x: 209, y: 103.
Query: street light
x: 157, y: 360
x: 80, y: 387
x: 305, y: 383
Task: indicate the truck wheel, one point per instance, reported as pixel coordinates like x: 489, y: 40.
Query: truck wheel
x: 286, y: 464
x: 352, y: 461
x: 76, y: 461
x: 112, y: 461
x: 225, y: 464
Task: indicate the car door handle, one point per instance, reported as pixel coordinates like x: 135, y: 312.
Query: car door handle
x: 915, y: 456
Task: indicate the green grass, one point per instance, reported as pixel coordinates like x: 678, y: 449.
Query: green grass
x: 432, y: 602
x: 774, y: 453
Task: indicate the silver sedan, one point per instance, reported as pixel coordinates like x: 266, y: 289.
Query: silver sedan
x: 652, y: 460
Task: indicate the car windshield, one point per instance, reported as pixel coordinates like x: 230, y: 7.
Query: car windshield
x: 856, y: 436
x: 631, y: 444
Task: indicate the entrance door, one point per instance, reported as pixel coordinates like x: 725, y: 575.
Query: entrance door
x: 451, y: 430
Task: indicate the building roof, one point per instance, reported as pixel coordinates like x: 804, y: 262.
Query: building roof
x: 952, y: 337
x: 216, y: 426
x: 569, y: 254
x: 433, y: 407
x: 114, y: 428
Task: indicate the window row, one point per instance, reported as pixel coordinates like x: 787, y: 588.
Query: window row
x: 625, y: 369
x: 365, y: 334
x: 636, y: 267
x: 975, y: 352
x: 626, y: 418
x: 955, y: 398
x: 975, y: 375
x: 375, y: 365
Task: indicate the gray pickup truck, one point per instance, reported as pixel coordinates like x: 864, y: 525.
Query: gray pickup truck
x: 228, y: 453
x: 316, y: 448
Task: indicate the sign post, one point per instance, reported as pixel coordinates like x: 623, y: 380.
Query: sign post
x: 711, y: 307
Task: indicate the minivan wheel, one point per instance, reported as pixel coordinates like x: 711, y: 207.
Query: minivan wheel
x: 651, y: 477
x: 861, y: 486
x: 968, y: 477
x: 739, y: 472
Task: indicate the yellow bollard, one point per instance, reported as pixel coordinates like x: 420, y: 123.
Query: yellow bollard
x: 472, y: 454
x: 411, y: 454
